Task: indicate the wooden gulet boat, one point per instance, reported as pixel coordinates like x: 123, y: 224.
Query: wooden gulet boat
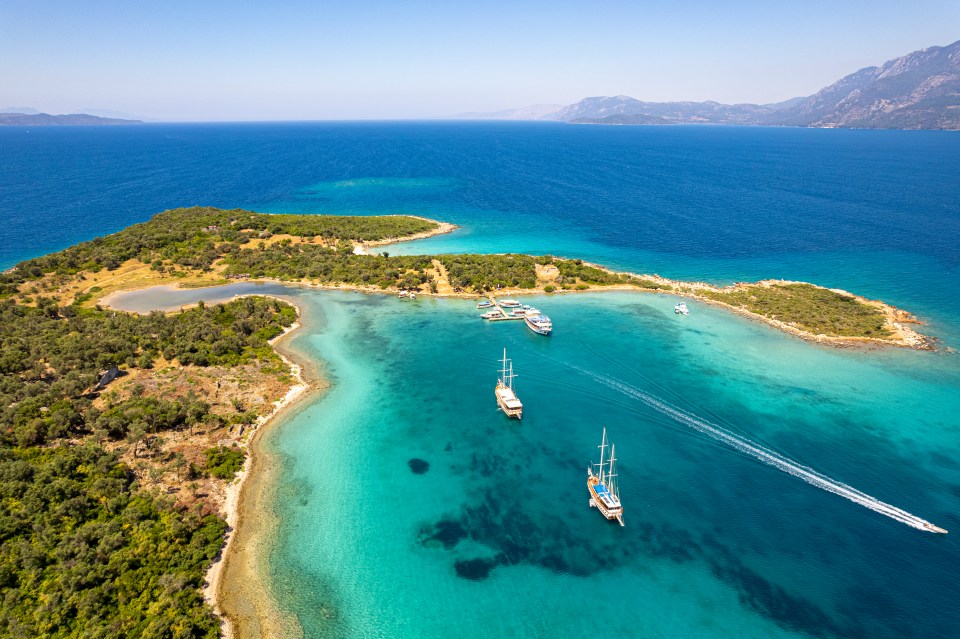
x: 602, y: 486
x: 506, y: 398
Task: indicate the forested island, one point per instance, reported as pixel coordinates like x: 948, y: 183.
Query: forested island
x: 120, y: 432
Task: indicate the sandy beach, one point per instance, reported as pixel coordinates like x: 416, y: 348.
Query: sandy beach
x: 235, y: 583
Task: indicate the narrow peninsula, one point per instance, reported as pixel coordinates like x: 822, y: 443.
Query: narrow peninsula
x: 142, y: 422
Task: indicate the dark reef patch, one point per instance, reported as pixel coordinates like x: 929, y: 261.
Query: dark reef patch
x: 775, y: 603
x: 475, y: 569
x: 447, y: 532
x: 418, y: 466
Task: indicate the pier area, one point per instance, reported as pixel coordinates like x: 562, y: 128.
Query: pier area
x: 506, y: 314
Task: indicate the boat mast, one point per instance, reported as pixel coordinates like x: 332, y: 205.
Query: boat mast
x: 612, y: 476
x: 503, y: 371
x: 603, y: 445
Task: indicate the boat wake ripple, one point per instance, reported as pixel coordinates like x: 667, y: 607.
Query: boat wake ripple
x: 767, y: 456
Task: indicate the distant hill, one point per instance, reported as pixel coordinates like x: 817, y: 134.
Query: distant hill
x: 626, y: 110
x: 73, y: 119
x: 920, y: 90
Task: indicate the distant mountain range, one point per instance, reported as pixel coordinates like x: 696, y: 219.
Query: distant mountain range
x: 920, y: 90
x: 22, y: 117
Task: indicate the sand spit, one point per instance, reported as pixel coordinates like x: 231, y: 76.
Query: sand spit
x: 896, y: 320
x: 362, y: 248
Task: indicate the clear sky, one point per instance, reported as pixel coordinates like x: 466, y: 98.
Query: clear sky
x: 196, y: 60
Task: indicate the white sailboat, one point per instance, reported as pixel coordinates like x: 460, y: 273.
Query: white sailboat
x: 506, y: 398
x: 602, y: 486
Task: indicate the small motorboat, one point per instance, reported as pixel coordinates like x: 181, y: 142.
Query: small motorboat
x: 681, y: 309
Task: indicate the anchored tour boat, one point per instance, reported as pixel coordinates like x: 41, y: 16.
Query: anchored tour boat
x: 604, y: 494
x: 506, y: 398
x: 538, y: 322
x: 681, y: 309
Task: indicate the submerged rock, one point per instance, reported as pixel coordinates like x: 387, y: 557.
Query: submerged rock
x: 419, y: 466
x: 475, y: 569
x: 447, y: 532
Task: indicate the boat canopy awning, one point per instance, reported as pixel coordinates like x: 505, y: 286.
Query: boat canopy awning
x: 609, y: 500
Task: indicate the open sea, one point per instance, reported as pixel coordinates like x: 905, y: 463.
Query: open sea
x: 718, y: 421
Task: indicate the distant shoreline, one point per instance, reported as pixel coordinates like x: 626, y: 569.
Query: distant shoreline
x: 71, y: 119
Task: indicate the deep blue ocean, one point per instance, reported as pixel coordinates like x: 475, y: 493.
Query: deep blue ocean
x: 496, y: 538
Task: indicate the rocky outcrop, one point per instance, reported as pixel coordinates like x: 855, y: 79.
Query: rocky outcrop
x: 920, y: 90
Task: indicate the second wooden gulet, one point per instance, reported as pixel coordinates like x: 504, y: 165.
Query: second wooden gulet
x: 506, y: 397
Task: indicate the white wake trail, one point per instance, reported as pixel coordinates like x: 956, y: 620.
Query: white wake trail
x: 766, y: 455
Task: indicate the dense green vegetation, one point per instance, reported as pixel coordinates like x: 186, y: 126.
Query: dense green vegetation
x: 285, y: 261
x: 82, y: 552
x: 49, y: 356
x: 573, y: 270
x: 196, y: 237
x: 85, y: 555
x: 816, y: 310
x: 485, y: 272
x: 224, y: 462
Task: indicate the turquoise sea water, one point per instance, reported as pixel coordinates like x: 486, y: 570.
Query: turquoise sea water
x: 715, y: 542
x: 495, y: 538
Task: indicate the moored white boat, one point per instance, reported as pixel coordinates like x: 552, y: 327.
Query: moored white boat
x: 506, y: 398
x: 484, y: 304
x: 494, y: 314
x: 602, y: 486
x: 509, y: 304
x: 681, y: 309
x: 538, y: 322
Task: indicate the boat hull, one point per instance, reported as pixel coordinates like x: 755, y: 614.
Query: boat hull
x: 509, y: 411
x: 539, y: 330
x: 611, y: 514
